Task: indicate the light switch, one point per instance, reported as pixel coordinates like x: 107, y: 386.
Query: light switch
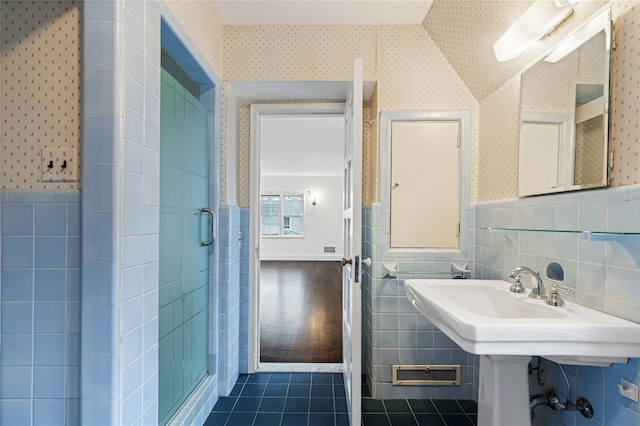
x: 59, y: 164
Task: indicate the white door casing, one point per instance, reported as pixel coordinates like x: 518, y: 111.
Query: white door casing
x: 257, y: 111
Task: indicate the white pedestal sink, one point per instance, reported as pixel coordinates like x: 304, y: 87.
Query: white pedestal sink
x: 506, y: 329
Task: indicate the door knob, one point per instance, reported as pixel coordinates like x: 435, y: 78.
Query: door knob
x: 345, y: 261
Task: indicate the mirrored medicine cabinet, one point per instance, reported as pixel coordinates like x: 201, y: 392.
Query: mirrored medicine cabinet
x: 564, y: 117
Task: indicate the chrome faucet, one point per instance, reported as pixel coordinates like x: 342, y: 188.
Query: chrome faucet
x: 537, y: 290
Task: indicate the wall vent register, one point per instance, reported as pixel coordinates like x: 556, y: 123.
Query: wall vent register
x: 426, y: 374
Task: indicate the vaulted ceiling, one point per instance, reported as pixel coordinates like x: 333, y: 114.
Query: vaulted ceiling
x: 465, y: 31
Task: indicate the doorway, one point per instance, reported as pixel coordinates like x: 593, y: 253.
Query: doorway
x: 300, y: 241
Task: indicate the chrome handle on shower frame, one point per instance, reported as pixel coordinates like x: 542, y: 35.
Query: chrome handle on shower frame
x: 212, y: 224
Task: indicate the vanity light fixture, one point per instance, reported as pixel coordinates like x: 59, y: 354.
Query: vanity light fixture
x: 579, y: 37
x: 539, y: 20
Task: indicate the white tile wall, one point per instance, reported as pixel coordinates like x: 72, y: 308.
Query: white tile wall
x: 121, y: 228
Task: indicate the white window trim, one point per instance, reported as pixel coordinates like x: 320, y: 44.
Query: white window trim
x: 281, y: 195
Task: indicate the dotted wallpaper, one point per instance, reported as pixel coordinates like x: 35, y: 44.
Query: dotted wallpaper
x: 589, y: 148
x: 465, y: 31
x: 370, y: 153
x: 466, y: 46
x: 290, y: 52
x: 499, y: 133
x: 550, y: 88
x: 499, y: 116
x: 624, y: 136
x: 40, y: 89
x: 368, y: 167
x: 229, y: 148
x: 411, y: 73
x: 366, y: 149
x: 243, y: 154
x: 203, y: 26
x: 590, y: 58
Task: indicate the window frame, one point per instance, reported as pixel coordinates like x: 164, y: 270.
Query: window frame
x: 281, y: 213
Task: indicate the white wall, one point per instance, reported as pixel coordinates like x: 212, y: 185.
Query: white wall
x: 322, y: 223
x: 302, y: 153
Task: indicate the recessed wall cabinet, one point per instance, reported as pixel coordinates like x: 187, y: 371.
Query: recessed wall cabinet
x: 424, y: 184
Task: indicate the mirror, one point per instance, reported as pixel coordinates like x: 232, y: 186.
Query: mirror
x: 564, y: 118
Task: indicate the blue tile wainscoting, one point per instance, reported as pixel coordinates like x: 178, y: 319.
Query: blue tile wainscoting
x: 393, y: 331
x: 48, y: 275
x: 244, y: 289
x: 40, y: 307
x: 229, y: 297
x: 604, y: 276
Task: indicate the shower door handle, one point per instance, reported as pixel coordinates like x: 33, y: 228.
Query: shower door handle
x: 212, y: 226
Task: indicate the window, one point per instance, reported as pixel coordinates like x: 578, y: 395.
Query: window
x: 281, y: 215
x: 270, y: 215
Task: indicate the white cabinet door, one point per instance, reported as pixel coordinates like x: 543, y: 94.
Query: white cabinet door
x: 424, y: 184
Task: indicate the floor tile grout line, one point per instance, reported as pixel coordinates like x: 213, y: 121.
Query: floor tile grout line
x: 437, y: 411
x: 332, y: 395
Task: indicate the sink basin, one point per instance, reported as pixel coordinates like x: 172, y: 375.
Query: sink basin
x: 483, y: 317
x: 506, y: 329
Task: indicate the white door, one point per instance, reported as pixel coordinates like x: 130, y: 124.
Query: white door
x: 351, y: 299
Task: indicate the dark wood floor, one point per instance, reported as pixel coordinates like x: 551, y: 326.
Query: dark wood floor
x: 300, y: 311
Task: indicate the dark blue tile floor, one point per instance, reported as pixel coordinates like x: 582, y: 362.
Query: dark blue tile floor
x: 317, y: 399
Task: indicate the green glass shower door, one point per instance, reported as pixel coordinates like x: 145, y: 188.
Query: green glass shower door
x: 185, y: 229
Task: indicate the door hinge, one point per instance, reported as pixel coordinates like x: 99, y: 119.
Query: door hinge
x: 610, y: 166
x: 458, y: 229
x: 614, y: 43
x: 458, y: 138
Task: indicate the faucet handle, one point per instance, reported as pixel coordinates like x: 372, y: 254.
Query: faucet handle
x: 516, y: 287
x: 554, y: 298
x: 565, y: 290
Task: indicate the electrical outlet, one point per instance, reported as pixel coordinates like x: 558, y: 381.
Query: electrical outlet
x: 59, y: 164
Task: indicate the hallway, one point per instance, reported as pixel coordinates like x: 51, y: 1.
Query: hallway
x: 300, y: 312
